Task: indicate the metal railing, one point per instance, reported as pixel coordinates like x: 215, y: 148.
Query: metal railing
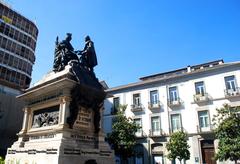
x: 232, y: 92
x: 176, y: 130
x: 154, y: 105
x: 201, y: 97
x: 157, y: 133
x: 136, y: 107
x: 140, y: 134
x: 209, y: 128
x: 176, y: 102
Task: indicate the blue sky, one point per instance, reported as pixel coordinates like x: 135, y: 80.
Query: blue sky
x: 135, y: 38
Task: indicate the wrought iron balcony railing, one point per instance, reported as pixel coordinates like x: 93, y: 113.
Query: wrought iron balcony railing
x: 174, y: 103
x: 201, y: 97
x: 232, y: 92
x: 154, y: 105
x: 140, y: 134
x: 206, y: 129
x: 136, y: 107
x: 156, y: 133
x: 171, y: 130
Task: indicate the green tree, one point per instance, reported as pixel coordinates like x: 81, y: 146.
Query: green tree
x: 178, y: 146
x: 227, y: 125
x: 1, y: 160
x: 123, y: 138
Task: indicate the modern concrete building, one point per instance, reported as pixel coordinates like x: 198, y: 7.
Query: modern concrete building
x: 184, y: 99
x: 18, y: 37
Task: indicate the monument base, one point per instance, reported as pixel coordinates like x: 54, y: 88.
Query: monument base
x: 62, y: 122
x: 60, y: 148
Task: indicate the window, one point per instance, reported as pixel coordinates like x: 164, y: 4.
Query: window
x: 136, y: 99
x: 155, y: 122
x: 203, y: 119
x: 173, y: 94
x: 138, y: 121
x: 154, y: 97
x: 116, y: 103
x: 176, y: 122
x: 230, y: 83
x: 199, y: 88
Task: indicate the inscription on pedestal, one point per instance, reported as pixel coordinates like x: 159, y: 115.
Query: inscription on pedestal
x: 42, y: 136
x: 84, y: 118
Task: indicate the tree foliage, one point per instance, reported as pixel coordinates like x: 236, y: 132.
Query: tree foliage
x: 227, y: 123
x: 178, y: 146
x: 122, y: 138
x: 1, y: 160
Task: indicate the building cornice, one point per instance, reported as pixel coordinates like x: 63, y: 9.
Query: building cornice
x: 166, y: 79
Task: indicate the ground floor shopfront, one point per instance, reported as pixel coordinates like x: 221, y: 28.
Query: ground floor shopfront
x: 152, y: 150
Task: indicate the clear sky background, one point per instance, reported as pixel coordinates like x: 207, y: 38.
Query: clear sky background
x: 135, y: 38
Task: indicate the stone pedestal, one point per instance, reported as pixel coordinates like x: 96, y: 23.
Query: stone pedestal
x: 60, y: 122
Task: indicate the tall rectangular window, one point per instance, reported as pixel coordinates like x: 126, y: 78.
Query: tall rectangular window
x: 230, y: 83
x: 155, y: 122
x: 203, y: 119
x: 138, y: 121
x: 173, y: 94
x: 199, y: 88
x: 154, y: 97
x: 136, y: 99
x: 116, y: 103
x: 176, y: 122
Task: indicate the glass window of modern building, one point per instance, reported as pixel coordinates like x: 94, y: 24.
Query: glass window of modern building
x: 18, y: 37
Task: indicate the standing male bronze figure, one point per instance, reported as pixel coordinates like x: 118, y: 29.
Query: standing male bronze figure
x: 89, y: 58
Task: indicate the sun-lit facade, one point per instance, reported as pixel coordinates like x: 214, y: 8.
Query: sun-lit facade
x: 18, y: 37
x: 181, y: 100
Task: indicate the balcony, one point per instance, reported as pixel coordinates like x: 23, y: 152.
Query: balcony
x: 157, y: 133
x: 207, y: 129
x: 176, y: 130
x: 136, y: 107
x: 232, y: 92
x: 154, y: 105
x: 198, y: 98
x: 140, y: 134
x: 174, y: 103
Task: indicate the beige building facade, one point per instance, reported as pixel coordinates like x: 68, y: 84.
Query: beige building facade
x: 184, y: 99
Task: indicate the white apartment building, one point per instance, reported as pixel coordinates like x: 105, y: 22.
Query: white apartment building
x: 184, y: 99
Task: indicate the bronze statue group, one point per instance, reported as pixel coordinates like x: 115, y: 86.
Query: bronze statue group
x: 64, y: 53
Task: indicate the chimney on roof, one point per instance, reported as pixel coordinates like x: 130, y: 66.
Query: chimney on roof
x: 188, y: 68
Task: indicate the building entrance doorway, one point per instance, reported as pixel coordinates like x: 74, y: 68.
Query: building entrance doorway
x: 207, y: 148
x: 157, y: 159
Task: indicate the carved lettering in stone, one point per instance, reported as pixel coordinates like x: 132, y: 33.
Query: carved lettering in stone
x: 84, y: 118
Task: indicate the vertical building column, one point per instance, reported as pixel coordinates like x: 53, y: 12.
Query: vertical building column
x: 64, y: 110
x: 25, y: 119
